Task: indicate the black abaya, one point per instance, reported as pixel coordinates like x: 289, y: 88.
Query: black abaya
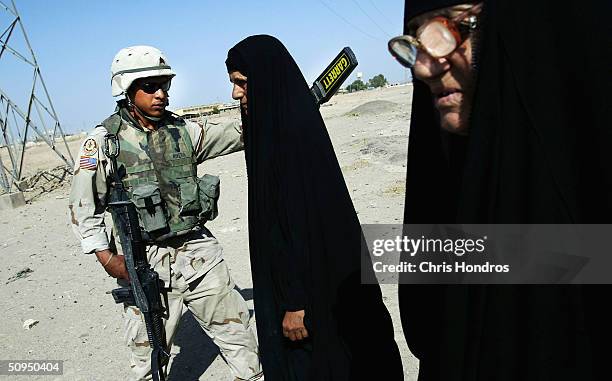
x: 538, y: 151
x: 304, y: 235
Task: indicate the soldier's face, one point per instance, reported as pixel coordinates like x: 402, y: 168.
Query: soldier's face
x: 150, y: 95
x: 239, y: 90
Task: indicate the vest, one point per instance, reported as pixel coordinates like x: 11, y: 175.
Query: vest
x: 159, y: 170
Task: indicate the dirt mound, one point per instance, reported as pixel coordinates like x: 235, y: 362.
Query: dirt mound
x: 372, y: 107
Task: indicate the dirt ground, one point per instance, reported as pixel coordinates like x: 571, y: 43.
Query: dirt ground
x: 66, y: 291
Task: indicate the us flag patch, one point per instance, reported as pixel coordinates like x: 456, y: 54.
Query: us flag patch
x: 88, y: 162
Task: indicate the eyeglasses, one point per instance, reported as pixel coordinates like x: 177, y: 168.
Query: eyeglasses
x: 153, y: 87
x: 438, y: 37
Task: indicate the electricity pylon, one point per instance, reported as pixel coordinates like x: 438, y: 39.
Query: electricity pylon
x: 17, y: 121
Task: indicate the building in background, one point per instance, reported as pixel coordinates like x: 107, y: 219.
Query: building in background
x: 197, y: 112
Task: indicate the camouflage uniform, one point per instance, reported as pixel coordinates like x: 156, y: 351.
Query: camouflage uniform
x: 191, y: 265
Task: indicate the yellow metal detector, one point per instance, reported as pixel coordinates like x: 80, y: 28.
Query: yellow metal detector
x: 328, y: 83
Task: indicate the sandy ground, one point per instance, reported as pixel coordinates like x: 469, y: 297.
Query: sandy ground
x: 66, y: 290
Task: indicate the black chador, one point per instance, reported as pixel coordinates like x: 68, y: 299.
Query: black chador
x: 538, y: 151
x: 304, y: 235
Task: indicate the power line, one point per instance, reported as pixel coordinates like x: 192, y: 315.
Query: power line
x: 379, y: 11
x: 349, y: 23
x: 371, y: 19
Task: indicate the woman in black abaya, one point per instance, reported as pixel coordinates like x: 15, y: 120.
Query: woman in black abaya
x: 304, y: 235
x: 535, y: 149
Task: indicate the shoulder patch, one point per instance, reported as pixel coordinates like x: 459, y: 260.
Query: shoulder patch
x: 90, y: 147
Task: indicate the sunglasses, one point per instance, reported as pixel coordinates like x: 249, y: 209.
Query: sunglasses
x: 439, y: 37
x: 153, y: 87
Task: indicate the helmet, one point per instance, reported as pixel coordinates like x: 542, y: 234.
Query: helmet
x: 136, y: 62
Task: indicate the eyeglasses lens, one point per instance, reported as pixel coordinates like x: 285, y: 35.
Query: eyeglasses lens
x: 438, y: 39
x: 404, y: 51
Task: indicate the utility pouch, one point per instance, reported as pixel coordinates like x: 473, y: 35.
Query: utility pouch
x: 189, y: 199
x: 149, y: 204
x: 209, y: 196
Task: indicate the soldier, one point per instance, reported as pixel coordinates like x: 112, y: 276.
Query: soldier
x: 159, y: 154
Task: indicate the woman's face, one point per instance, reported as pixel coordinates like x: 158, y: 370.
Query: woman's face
x: 450, y: 79
x: 239, y: 90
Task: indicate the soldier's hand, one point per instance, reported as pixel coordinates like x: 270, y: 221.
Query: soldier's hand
x: 293, y: 326
x: 113, y: 264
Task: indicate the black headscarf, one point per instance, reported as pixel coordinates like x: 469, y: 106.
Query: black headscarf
x: 416, y: 8
x: 304, y: 235
x: 538, y: 151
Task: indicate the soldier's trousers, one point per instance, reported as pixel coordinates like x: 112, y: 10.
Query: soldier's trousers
x: 219, y: 309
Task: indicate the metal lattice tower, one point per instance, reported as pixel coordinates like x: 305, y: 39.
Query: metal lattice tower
x: 38, y: 115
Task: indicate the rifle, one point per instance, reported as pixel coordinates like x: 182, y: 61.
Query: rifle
x: 145, y: 286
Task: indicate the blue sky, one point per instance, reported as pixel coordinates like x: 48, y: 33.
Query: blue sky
x: 75, y: 41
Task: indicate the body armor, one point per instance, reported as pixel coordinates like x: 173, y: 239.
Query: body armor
x: 159, y: 170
